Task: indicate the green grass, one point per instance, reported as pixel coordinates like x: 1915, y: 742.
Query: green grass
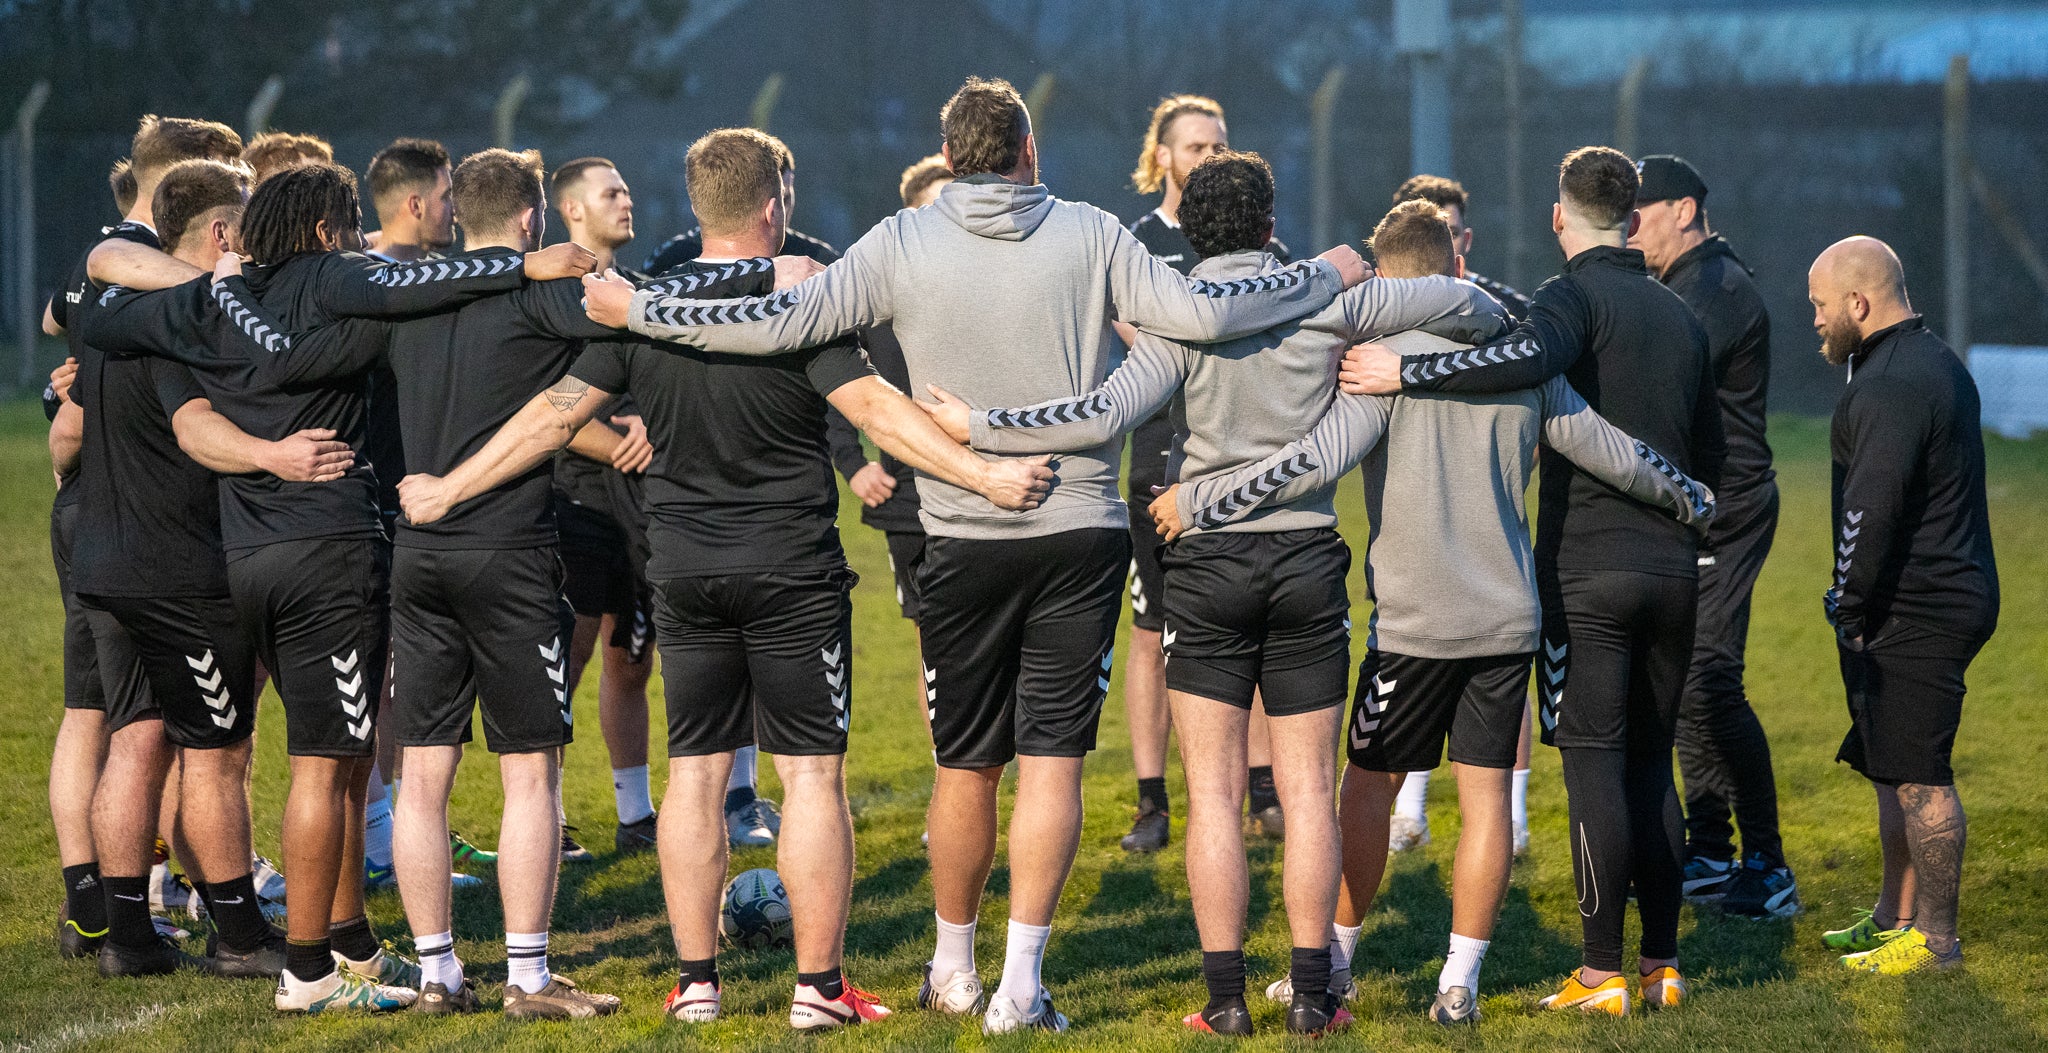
x: 1123, y: 960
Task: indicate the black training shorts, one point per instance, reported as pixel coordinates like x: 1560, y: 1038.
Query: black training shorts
x: 200, y: 666
x: 1407, y: 706
x: 318, y: 611
x: 1905, y: 693
x: 1264, y: 612
x: 82, y: 686
x: 906, y: 553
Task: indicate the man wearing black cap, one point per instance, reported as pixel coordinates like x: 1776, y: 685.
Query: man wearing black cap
x: 1722, y: 751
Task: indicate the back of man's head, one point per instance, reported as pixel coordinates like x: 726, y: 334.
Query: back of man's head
x: 1597, y: 186
x: 193, y: 193
x: 494, y: 187
x: 121, y: 180
x: 407, y: 166
x: 1227, y: 205
x: 1443, y: 192
x: 921, y: 177
x: 273, y: 152
x: 285, y: 212
x: 731, y: 174
x: 984, y: 125
x: 161, y: 142
x: 1414, y: 241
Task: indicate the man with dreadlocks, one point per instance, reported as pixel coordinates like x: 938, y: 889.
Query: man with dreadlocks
x: 306, y: 573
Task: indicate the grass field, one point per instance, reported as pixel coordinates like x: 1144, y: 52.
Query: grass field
x: 1123, y: 960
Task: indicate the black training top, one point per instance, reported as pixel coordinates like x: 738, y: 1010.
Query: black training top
x: 80, y: 289
x: 1913, y: 533
x: 461, y: 375
x: 684, y: 248
x: 1637, y: 354
x: 582, y: 481
x: 1517, y: 305
x: 897, y: 515
x: 742, y: 476
x: 1718, y: 287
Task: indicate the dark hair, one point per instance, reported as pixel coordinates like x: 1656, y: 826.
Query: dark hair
x: 492, y: 187
x: 984, y: 125
x: 1599, y: 183
x: 273, y: 152
x: 921, y: 175
x: 121, y: 179
x: 190, y: 190
x: 1228, y: 203
x: 1443, y: 192
x: 406, y: 165
x: 569, y: 175
x: 729, y: 173
x: 284, y: 213
x: 1415, y: 239
x: 161, y: 142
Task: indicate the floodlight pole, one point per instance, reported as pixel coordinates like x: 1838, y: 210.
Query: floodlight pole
x: 262, y: 105
x: 27, y: 319
x: 1322, y: 209
x: 1422, y: 31
x: 763, y: 109
x: 1955, y: 200
x: 509, y: 101
x: 1511, y: 145
x: 1628, y: 108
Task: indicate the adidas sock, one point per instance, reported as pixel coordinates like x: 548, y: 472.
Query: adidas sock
x: 1461, y: 965
x: 955, y: 951
x: 1263, y: 795
x: 1518, y: 801
x: 438, y: 963
x: 630, y: 792
x: 1343, y: 945
x: 127, y: 910
x: 697, y: 972
x: 377, y: 834
x: 1309, y: 968
x: 830, y: 984
x: 85, y: 903
x: 526, y: 960
x: 309, y: 960
x: 742, y: 778
x: 354, y: 939
x: 1153, y: 792
x: 236, y: 917
x: 1022, y: 961
x: 1413, y: 800
x: 1223, y: 972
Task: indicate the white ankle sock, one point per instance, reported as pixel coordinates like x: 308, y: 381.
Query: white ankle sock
x: 1022, y: 961
x: 1413, y: 801
x: 377, y: 833
x: 438, y: 963
x: 526, y: 959
x: 1461, y: 965
x: 1343, y: 944
x: 1518, y: 800
x: 955, y: 951
x: 744, y: 761
x: 629, y: 790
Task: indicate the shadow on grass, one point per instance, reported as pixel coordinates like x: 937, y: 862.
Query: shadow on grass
x: 1737, y: 951
x: 1953, y: 1011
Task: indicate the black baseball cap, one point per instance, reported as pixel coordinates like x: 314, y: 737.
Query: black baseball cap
x: 1668, y: 177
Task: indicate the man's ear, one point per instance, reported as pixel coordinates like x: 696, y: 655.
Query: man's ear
x: 530, y: 222
x: 324, y: 231
x: 1465, y: 242
x: 1162, y: 155
x: 1028, y: 156
x: 1458, y: 265
x: 416, y: 206
x: 1557, y: 217
x: 1685, y: 210
x: 223, y: 234
x: 946, y: 151
x: 1635, y: 223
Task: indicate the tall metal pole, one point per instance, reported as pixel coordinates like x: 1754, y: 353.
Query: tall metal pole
x: 262, y: 105
x: 27, y: 319
x: 762, y: 110
x: 1322, y: 201
x: 1955, y: 200
x: 1511, y: 146
x: 1422, y: 31
x: 1628, y: 109
x: 507, y: 109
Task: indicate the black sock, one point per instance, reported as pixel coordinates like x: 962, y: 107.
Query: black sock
x: 127, y: 907
x: 236, y: 917
x: 738, y: 797
x: 354, y: 939
x: 698, y: 972
x: 1223, y: 971
x: 1264, y: 796
x: 85, y: 903
x: 1152, y: 793
x: 1310, y: 971
x: 309, y: 960
x: 831, y: 983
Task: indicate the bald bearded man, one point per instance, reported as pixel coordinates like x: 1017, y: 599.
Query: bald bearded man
x: 1915, y: 593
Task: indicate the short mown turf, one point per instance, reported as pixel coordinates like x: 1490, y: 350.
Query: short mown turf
x: 1123, y: 960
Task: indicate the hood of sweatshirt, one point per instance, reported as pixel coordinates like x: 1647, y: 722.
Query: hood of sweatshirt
x: 1244, y: 263
x: 992, y: 207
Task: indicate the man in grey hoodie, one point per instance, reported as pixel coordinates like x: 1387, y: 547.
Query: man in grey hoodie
x: 1003, y: 293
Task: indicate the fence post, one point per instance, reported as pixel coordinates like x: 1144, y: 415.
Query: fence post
x: 262, y: 105
x: 507, y: 109
x: 1955, y: 200
x: 1628, y: 108
x: 27, y: 320
x: 1511, y: 144
x: 763, y: 109
x: 1422, y: 31
x: 1322, y: 163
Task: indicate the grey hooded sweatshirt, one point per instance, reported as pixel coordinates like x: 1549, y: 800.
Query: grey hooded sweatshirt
x: 1449, y: 569
x: 1242, y: 399
x: 1003, y: 294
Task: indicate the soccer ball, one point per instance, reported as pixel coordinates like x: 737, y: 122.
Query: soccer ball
x: 754, y: 912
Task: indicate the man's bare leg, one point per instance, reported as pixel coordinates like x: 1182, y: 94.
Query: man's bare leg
x: 1363, y: 811
x: 1212, y: 736
x: 316, y: 836
x: 1898, y: 897
x: 1305, y: 773
x: 214, y: 814
x: 1264, y: 802
x: 529, y: 861
x: 1479, y: 878
x: 76, y: 759
x: 425, y: 865
x: 1936, y: 832
x: 815, y: 857
x: 960, y: 825
x: 693, y: 865
x: 125, y: 818
x: 622, y: 716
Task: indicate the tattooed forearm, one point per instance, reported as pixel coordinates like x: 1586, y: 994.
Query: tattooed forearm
x: 565, y: 396
x: 1937, y: 831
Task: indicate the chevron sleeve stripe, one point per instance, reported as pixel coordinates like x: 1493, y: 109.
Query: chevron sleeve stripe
x: 1701, y: 502
x: 1067, y: 411
x: 249, y: 322
x: 1237, y: 502
x: 421, y: 272
x: 1284, y: 278
x: 689, y: 283
x: 716, y: 312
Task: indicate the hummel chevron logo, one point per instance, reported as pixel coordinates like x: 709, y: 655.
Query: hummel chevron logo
x: 1249, y: 496
x: 1167, y: 637
x: 1429, y: 367
x: 1068, y: 411
x: 1556, y: 651
x: 208, y: 683
x: 1284, y: 278
x: 836, y: 676
x: 830, y: 654
x: 346, y: 667
x: 551, y: 650
x: 931, y: 693
x: 1845, y: 549
x: 1383, y: 687
x: 404, y: 275
x: 1553, y: 673
x: 112, y: 291
x: 1855, y: 518
x: 252, y: 326
x: 1850, y: 533
x: 686, y: 283
x: 725, y: 312
x: 202, y: 663
x: 1549, y: 715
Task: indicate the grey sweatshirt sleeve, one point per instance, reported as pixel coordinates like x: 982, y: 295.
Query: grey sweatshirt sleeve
x: 1380, y: 306
x: 1153, y: 296
x: 850, y: 294
x: 1349, y: 430
x: 1145, y: 382
x: 1612, y: 456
